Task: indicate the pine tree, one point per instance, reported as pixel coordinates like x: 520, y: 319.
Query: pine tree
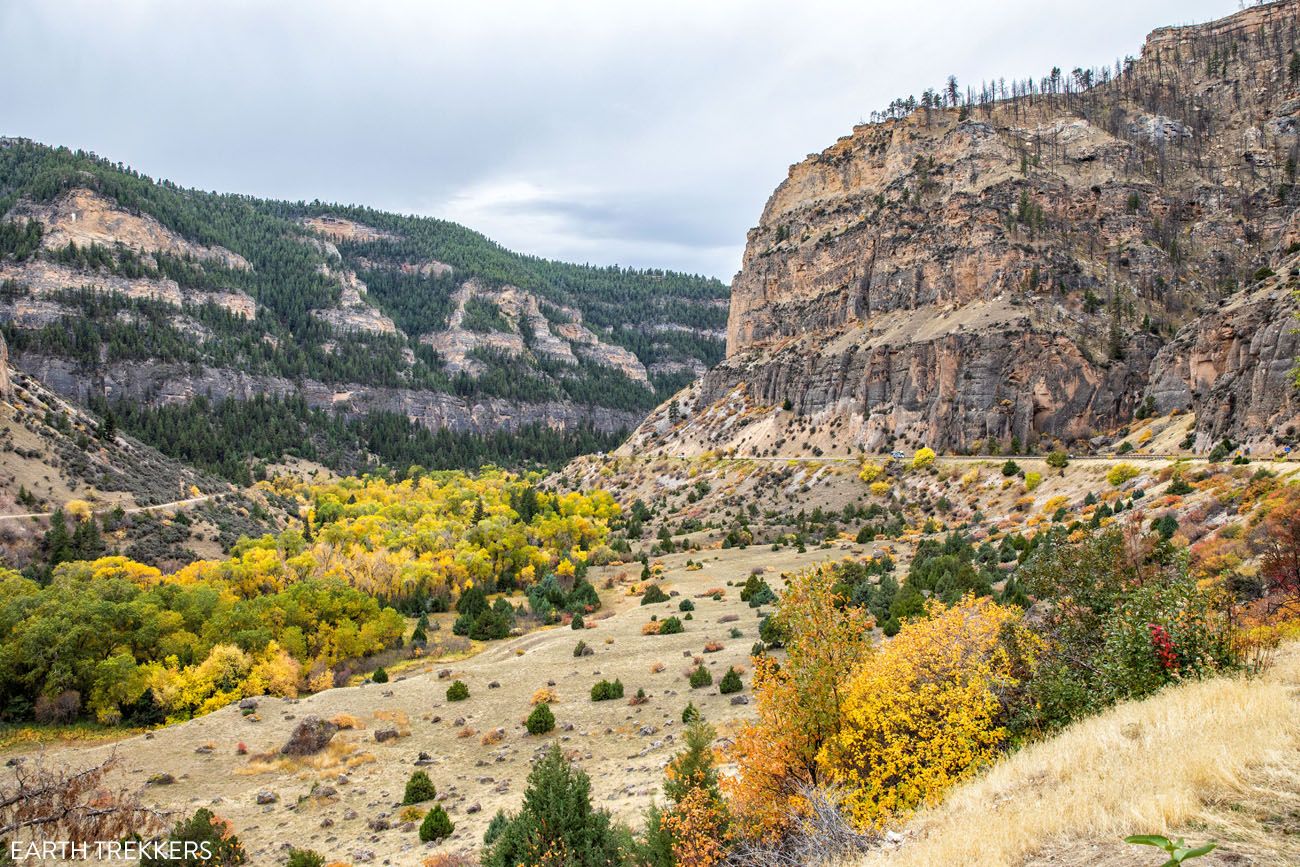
x: 556, y: 824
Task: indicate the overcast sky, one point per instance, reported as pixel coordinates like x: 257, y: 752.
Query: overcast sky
x: 638, y: 133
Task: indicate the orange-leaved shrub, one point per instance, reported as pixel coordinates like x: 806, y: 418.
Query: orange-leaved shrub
x: 798, y: 704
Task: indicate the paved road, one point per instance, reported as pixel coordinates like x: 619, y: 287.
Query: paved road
x: 969, y: 459
x: 192, y: 501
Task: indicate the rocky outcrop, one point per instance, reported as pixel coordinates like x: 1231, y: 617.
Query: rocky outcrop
x: 311, y: 736
x: 44, y: 278
x: 1009, y: 269
x: 352, y: 311
x: 525, y: 329
x: 84, y: 217
x: 158, y: 384
x: 1235, y: 369
x: 343, y: 229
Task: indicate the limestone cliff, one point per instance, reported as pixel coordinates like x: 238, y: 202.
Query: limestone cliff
x: 1009, y: 268
x: 1234, y: 367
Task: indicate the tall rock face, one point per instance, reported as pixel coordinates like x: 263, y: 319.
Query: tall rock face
x: 1235, y: 367
x: 1009, y: 269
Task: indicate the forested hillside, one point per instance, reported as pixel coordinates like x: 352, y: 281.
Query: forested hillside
x: 130, y: 293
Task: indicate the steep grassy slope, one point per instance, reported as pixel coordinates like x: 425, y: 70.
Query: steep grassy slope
x: 1210, y: 760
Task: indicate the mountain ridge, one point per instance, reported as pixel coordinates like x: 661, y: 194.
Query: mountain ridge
x: 1008, y: 268
x: 116, y: 287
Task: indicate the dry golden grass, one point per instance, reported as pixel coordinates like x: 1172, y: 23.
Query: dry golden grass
x: 347, y: 721
x: 545, y: 695
x: 657, y: 667
x: 493, y: 737
x: 411, y: 814
x: 337, y: 756
x: 1216, y: 759
x: 449, y: 859
x: 397, y: 717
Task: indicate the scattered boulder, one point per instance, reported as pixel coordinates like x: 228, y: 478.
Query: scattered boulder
x: 248, y: 704
x: 161, y: 780
x: 383, y: 735
x: 266, y: 796
x: 311, y: 736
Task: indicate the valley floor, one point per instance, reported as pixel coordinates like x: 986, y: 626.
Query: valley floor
x: 622, y: 748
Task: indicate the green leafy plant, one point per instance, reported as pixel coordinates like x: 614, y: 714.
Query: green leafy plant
x: 654, y: 593
x: 671, y: 626
x: 304, y: 858
x: 691, y: 714
x: 419, y: 788
x: 1178, y: 850
x: 202, y: 828
x: 556, y: 821
x: 458, y: 691
x: 606, y: 691
x: 436, y: 825
x: 701, y: 676
x: 541, y: 720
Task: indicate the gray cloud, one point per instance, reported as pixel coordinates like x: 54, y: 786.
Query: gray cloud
x: 644, y: 133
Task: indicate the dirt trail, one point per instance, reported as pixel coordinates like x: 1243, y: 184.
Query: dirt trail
x: 174, y: 504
